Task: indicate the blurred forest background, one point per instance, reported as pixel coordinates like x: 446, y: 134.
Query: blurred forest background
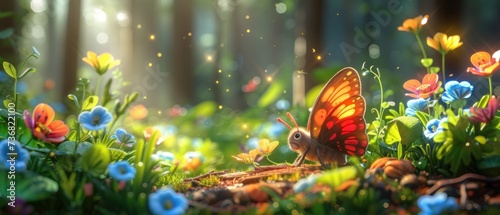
x: 234, y: 51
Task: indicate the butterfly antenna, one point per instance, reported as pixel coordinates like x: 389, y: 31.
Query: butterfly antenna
x: 293, y: 120
x: 284, y: 123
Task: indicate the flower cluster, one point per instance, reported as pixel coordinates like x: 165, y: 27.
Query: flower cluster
x: 265, y: 148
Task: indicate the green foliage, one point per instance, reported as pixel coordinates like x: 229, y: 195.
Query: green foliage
x: 404, y: 130
x: 95, y: 160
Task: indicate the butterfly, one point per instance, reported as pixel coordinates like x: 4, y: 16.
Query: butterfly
x: 336, y: 125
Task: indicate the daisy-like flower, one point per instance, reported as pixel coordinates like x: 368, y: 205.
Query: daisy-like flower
x: 414, y: 25
x: 167, y: 201
x: 485, y: 114
x: 247, y: 158
x: 95, y: 119
x: 267, y: 147
x: 442, y: 43
x: 101, y: 63
x: 484, y: 64
x: 430, y: 84
x: 43, y: 126
x: 455, y: 91
x: 121, y: 171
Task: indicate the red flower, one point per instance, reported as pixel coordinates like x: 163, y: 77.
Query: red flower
x: 43, y: 126
x: 485, y: 114
x: 484, y: 64
x: 430, y: 84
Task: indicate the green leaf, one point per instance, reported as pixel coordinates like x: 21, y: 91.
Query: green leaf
x: 95, y: 160
x: 426, y: 62
x: 205, y: 109
x: 423, y: 117
x: 28, y: 186
x: 10, y: 69
x: 336, y: 177
x: 7, y: 102
x: 28, y: 70
x: 312, y: 94
x: 400, y: 151
x: 403, y: 129
x: 490, y: 165
x: 272, y: 94
x: 74, y: 99
x: 90, y: 102
x: 484, y: 101
x: 68, y: 147
x: 434, y: 69
x: 106, y: 97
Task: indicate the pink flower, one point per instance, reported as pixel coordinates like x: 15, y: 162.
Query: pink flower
x: 485, y: 114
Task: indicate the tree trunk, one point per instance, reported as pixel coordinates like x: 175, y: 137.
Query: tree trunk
x: 71, y: 48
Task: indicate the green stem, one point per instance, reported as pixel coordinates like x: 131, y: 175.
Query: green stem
x: 442, y: 66
x: 97, y: 86
x: 491, y: 88
x: 267, y: 157
x: 422, y: 49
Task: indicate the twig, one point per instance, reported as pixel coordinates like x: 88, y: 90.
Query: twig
x: 469, y: 176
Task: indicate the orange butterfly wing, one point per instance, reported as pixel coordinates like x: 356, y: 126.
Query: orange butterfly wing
x: 337, y: 117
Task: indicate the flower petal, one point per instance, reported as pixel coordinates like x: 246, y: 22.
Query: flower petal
x: 43, y: 114
x: 412, y: 85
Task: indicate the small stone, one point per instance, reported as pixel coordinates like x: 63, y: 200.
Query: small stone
x: 410, y: 181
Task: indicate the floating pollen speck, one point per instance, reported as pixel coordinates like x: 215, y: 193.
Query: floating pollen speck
x: 152, y: 37
x: 220, y: 107
x: 159, y: 54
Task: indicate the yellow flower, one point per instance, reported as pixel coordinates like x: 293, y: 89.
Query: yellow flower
x: 247, y: 158
x: 442, y: 43
x: 101, y: 63
x: 414, y: 25
x: 267, y: 147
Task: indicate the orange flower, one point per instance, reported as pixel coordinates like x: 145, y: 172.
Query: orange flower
x: 101, y: 63
x: 138, y: 112
x: 43, y: 126
x: 442, y: 43
x: 414, y: 25
x: 484, y: 64
x: 430, y: 84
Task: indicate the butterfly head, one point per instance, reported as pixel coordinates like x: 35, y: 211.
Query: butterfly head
x: 298, y: 138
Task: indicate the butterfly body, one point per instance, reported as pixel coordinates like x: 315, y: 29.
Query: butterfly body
x: 301, y: 142
x: 336, y: 125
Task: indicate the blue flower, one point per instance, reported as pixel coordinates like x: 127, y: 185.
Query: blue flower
x: 167, y: 201
x: 163, y: 156
x: 16, y: 162
x: 432, y: 128
x: 415, y: 105
x: 305, y: 183
x: 121, y: 171
x: 282, y: 104
x: 123, y: 137
x: 97, y: 119
x: 276, y: 130
x: 436, y: 204
x: 455, y: 91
